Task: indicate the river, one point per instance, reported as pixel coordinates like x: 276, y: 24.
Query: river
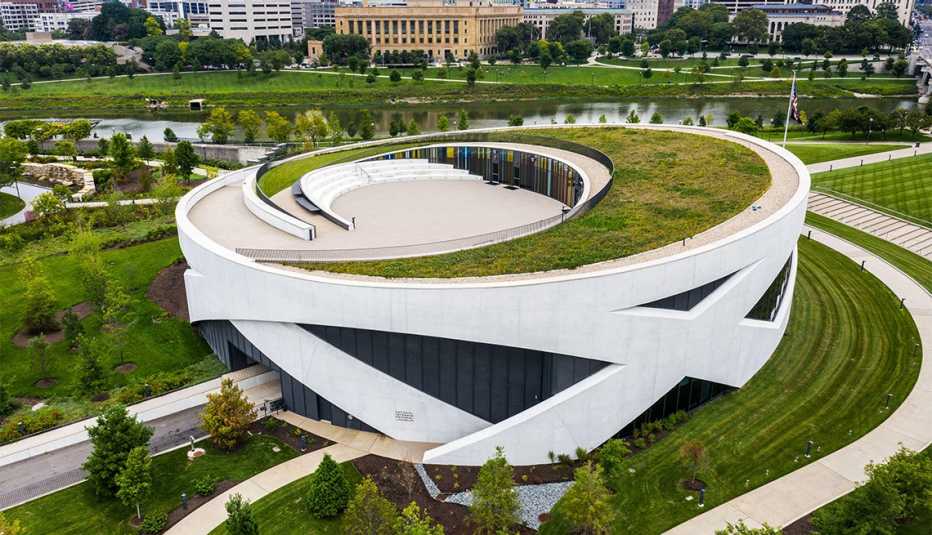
x: 673, y: 110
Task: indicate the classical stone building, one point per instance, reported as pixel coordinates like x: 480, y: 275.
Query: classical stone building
x: 440, y: 29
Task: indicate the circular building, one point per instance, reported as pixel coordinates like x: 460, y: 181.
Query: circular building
x: 540, y: 289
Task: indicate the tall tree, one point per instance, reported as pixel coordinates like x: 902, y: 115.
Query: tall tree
x: 495, y: 502
x: 122, y: 154
x: 219, y: 124
x: 566, y: 28
x: 185, y: 159
x: 134, y: 482
x: 227, y: 415
x: 113, y: 437
x: 751, y: 26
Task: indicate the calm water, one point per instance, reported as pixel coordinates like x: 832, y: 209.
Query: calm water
x: 491, y: 114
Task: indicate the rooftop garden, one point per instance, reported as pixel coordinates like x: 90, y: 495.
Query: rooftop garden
x: 667, y: 186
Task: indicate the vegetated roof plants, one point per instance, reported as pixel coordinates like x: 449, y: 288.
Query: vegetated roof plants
x: 667, y: 186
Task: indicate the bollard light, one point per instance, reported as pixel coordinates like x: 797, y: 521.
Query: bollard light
x: 184, y: 500
x: 808, y: 449
x: 889, y: 397
x: 701, y: 498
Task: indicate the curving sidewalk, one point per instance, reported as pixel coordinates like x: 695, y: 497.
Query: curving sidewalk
x: 781, y: 502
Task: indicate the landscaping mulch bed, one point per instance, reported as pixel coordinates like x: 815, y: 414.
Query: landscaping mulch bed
x: 82, y: 310
x: 133, y: 181
x: 126, y: 368
x: 450, y: 479
x: 196, y: 501
x: 285, y: 432
x: 45, y: 382
x: 167, y: 290
x: 401, y: 485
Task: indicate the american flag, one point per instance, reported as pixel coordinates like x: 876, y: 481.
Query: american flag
x: 794, y: 101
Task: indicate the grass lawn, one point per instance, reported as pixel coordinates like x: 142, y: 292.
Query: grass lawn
x: 284, y: 175
x: 10, y: 204
x: 282, y: 512
x: 910, y: 263
x: 776, y: 135
x: 156, y: 342
x: 689, y: 184
x: 902, y: 187
x: 569, y: 75
x: 77, y: 510
x: 847, y: 346
x: 824, y: 152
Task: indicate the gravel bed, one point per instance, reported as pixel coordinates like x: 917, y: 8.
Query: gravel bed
x: 428, y: 482
x: 534, y: 500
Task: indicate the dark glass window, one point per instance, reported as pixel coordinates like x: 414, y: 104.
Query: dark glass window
x: 769, y: 304
x: 685, y: 301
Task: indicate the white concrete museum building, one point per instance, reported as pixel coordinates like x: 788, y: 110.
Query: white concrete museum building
x: 533, y: 362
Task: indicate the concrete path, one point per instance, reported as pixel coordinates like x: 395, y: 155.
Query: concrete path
x: 909, y: 151
x: 783, y: 501
x: 374, y: 443
x: 52, y: 460
x: 213, y: 513
x: 27, y: 192
x: 907, y: 235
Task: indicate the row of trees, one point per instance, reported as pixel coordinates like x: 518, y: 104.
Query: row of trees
x: 311, y: 127
x: 55, y: 61
x: 861, y: 31
x: 166, y: 53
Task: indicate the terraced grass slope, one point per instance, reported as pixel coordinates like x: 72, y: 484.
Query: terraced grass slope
x: 847, y: 346
x: 667, y: 186
x: 825, y: 152
x: 901, y: 187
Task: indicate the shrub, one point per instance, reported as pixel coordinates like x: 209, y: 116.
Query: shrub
x: 495, y: 502
x: 240, y: 519
x: 565, y: 458
x: 587, y: 504
x: 611, y: 455
x: 329, y: 492
x: 369, y: 512
x: 582, y: 454
x: 227, y: 415
x: 154, y: 523
x: 6, y: 402
x: 640, y: 443
x: 205, y: 486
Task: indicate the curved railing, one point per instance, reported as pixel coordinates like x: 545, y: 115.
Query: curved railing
x: 259, y: 204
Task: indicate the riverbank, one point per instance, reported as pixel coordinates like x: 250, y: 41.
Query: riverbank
x: 317, y: 88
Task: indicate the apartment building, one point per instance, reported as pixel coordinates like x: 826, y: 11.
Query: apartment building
x: 542, y: 17
x: 779, y: 16
x: 904, y: 7
x: 251, y: 20
x: 649, y: 14
x: 439, y: 28
x: 52, y: 22
x: 17, y: 17
x: 313, y: 14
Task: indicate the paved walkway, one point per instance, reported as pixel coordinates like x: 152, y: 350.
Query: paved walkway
x: 910, y: 236
x: 783, y: 501
x: 910, y: 151
x: 213, y: 513
x: 27, y: 192
x: 374, y: 443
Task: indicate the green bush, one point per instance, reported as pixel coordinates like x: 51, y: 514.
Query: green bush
x: 154, y: 523
x: 640, y: 443
x: 102, y: 178
x: 329, y: 491
x: 34, y: 421
x: 205, y: 486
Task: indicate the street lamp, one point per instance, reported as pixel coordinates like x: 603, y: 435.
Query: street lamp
x: 870, y: 128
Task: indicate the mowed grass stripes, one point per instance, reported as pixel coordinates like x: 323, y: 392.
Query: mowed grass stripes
x: 847, y: 346
x: 902, y: 187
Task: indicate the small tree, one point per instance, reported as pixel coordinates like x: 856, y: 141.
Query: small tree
x: 462, y: 120
x: 656, y: 118
x: 413, y: 522
x: 134, y: 483
x: 123, y: 155
x: 471, y: 76
x: 114, y: 436
x: 633, y: 117
x: 587, y: 503
x: 39, y: 352
x: 369, y: 512
x: 219, y: 125
x: 366, y: 126
x: 240, y: 519
x: 412, y: 129
x: 694, y: 458
x: 227, y: 415
x: 6, y: 402
x: 185, y: 159
x: 144, y: 149
x: 515, y: 120
x: 169, y: 135
x: 495, y: 502
x: 39, y: 300
x: 329, y: 492
x: 611, y: 456
x: 90, y: 372
x: 394, y: 76
x: 277, y: 127
x: 443, y: 123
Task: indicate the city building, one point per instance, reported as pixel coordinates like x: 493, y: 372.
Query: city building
x: 79, y: 6
x: 779, y: 16
x: 533, y: 362
x: 17, y: 17
x: 52, y: 22
x: 194, y: 11
x: 251, y: 20
x: 649, y: 14
x: 441, y: 29
x: 313, y: 14
x: 542, y: 17
x: 904, y: 7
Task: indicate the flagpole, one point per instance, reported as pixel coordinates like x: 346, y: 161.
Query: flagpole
x: 789, y: 107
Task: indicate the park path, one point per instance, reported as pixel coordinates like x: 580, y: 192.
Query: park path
x: 785, y: 500
x: 213, y: 513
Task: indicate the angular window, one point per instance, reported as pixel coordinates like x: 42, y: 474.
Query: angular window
x: 685, y: 301
x: 769, y: 304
